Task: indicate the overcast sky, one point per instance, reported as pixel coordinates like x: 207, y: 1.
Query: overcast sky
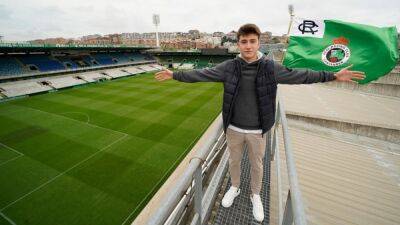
x: 32, y: 19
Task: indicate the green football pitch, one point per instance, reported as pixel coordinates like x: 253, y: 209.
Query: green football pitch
x: 96, y: 154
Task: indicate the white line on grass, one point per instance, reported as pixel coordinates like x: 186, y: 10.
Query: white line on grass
x: 87, y: 116
x: 89, y: 124
x: 8, y: 147
x: 59, y: 175
x: 184, y: 152
x: 8, y: 219
x: 12, y: 149
x: 12, y: 159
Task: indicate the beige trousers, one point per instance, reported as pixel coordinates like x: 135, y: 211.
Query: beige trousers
x: 256, y: 149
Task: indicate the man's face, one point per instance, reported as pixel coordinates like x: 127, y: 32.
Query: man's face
x: 248, y: 46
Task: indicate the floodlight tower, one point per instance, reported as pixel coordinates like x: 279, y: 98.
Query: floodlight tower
x: 291, y: 13
x: 156, y: 22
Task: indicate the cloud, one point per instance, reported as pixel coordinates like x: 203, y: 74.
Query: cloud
x: 5, y: 13
x: 31, y: 19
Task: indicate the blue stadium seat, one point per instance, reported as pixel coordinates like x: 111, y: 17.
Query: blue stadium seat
x: 9, y: 66
x: 89, y: 60
x: 136, y: 56
x: 103, y: 58
x: 66, y: 61
x: 43, y: 62
x: 120, y: 56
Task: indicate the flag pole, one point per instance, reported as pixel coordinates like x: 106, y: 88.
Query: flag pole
x: 291, y: 13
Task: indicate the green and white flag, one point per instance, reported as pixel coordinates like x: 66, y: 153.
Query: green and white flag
x: 331, y: 45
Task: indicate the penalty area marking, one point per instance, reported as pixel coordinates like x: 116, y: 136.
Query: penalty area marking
x: 8, y: 219
x: 81, y: 113
x: 163, y: 177
x: 65, y: 117
x: 59, y: 175
x: 13, y: 150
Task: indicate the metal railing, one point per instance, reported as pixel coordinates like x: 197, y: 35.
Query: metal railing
x: 189, y: 187
x: 294, y: 208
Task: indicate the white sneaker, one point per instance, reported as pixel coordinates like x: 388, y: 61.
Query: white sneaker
x: 229, y: 196
x: 258, y: 211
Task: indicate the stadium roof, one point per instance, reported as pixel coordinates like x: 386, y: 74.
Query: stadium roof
x: 195, y: 52
x: 28, y: 47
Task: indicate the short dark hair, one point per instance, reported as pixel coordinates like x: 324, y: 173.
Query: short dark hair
x: 247, y: 29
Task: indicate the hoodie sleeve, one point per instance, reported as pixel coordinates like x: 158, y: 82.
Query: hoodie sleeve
x: 214, y: 74
x: 285, y: 75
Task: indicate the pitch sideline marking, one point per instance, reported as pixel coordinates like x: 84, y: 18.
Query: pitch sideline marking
x: 8, y: 219
x: 12, y: 159
x: 89, y: 124
x: 12, y: 149
x: 85, y: 114
x: 54, y: 178
x: 20, y: 154
x: 184, y: 152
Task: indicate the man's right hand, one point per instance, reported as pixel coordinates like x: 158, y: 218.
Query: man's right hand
x: 166, y: 74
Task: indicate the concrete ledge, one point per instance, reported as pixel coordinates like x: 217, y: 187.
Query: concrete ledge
x: 381, y: 133
x: 387, y: 89
x: 392, y: 78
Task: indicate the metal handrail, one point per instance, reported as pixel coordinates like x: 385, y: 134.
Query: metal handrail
x: 294, y: 208
x: 189, y: 186
x: 190, y: 182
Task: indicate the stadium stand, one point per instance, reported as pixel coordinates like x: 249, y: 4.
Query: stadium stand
x: 103, y: 58
x: 120, y: 57
x: 9, y: 66
x: 68, y: 63
x: 42, y: 62
x: 204, y: 63
x: 19, y: 88
x: 36, y: 85
x: 90, y: 60
x: 116, y: 73
x: 135, y: 56
x: 186, y: 66
x: 156, y: 66
x: 14, y: 65
x: 176, y: 65
x: 146, y: 68
x: 63, y: 81
x: 133, y: 70
x: 93, y: 76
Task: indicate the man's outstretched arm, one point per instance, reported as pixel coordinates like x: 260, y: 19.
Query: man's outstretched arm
x: 285, y: 75
x: 214, y: 74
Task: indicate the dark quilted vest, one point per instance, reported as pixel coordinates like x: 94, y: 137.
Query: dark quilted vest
x: 266, y: 92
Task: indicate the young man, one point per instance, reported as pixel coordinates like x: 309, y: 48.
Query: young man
x: 250, y: 85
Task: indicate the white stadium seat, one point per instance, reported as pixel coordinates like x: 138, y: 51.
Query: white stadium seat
x: 116, y: 73
x: 93, y: 76
x: 18, y: 88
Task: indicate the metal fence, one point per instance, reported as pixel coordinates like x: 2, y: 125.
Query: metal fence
x: 189, y: 188
x: 294, y: 208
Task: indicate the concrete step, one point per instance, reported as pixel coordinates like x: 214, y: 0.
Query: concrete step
x: 352, y: 112
x: 342, y: 180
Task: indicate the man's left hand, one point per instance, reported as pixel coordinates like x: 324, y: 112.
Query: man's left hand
x: 346, y: 75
